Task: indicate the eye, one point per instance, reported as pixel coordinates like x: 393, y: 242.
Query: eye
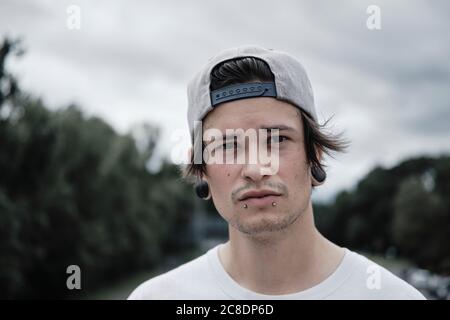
x: 277, y: 139
x: 229, y: 145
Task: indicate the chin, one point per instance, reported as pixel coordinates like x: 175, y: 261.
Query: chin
x: 266, y: 223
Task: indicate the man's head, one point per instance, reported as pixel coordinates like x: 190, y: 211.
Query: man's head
x: 300, y: 144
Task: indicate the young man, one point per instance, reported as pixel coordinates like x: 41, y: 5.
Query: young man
x: 274, y: 249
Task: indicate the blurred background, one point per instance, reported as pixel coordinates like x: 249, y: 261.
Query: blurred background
x: 93, y: 128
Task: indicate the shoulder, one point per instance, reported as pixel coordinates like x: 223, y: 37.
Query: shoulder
x: 376, y: 282
x: 174, y: 283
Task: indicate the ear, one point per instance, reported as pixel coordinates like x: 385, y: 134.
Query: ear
x: 319, y: 153
x: 189, y: 154
x: 190, y: 160
x: 318, y: 175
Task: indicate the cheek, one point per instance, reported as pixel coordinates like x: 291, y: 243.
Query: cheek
x: 293, y: 168
x: 220, y: 180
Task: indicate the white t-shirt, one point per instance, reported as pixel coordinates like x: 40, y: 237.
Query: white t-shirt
x: 204, y: 278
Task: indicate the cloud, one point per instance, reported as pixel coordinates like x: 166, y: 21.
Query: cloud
x: 131, y: 61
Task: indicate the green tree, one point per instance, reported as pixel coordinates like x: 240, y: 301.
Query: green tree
x: 420, y: 226
x: 74, y: 191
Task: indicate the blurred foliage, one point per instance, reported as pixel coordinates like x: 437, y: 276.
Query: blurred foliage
x: 73, y: 191
x: 406, y: 207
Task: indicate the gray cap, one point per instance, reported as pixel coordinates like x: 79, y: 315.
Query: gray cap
x: 291, y: 83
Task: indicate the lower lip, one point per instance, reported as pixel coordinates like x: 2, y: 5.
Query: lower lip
x: 261, y: 202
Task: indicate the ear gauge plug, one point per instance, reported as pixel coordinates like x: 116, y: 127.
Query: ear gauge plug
x: 318, y: 175
x: 202, y: 190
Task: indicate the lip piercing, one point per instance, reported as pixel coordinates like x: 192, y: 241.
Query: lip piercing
x: 274, y: 204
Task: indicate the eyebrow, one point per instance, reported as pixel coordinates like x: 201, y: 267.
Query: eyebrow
x: 280, y: 127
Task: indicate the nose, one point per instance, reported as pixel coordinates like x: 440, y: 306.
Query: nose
x: 253, y: 172
x: 255, y: 168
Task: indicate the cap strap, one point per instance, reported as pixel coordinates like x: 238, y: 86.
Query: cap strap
x: 243, y: 90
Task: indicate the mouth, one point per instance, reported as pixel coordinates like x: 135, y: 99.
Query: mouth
x: 261, y: 201
x: 260, y: 198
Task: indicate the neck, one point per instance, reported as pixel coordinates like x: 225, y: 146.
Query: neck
x: 281, y: 262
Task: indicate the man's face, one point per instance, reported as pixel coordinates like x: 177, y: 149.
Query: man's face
x: 229, y: 181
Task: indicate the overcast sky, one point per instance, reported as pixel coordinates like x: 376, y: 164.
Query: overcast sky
x: 388, y: 89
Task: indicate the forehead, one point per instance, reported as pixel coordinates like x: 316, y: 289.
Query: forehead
x: 255, y: 113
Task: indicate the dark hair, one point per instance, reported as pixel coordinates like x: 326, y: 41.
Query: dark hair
x: 250, y: 69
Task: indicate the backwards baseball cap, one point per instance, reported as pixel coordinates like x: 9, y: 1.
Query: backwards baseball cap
x: 291, y: 84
